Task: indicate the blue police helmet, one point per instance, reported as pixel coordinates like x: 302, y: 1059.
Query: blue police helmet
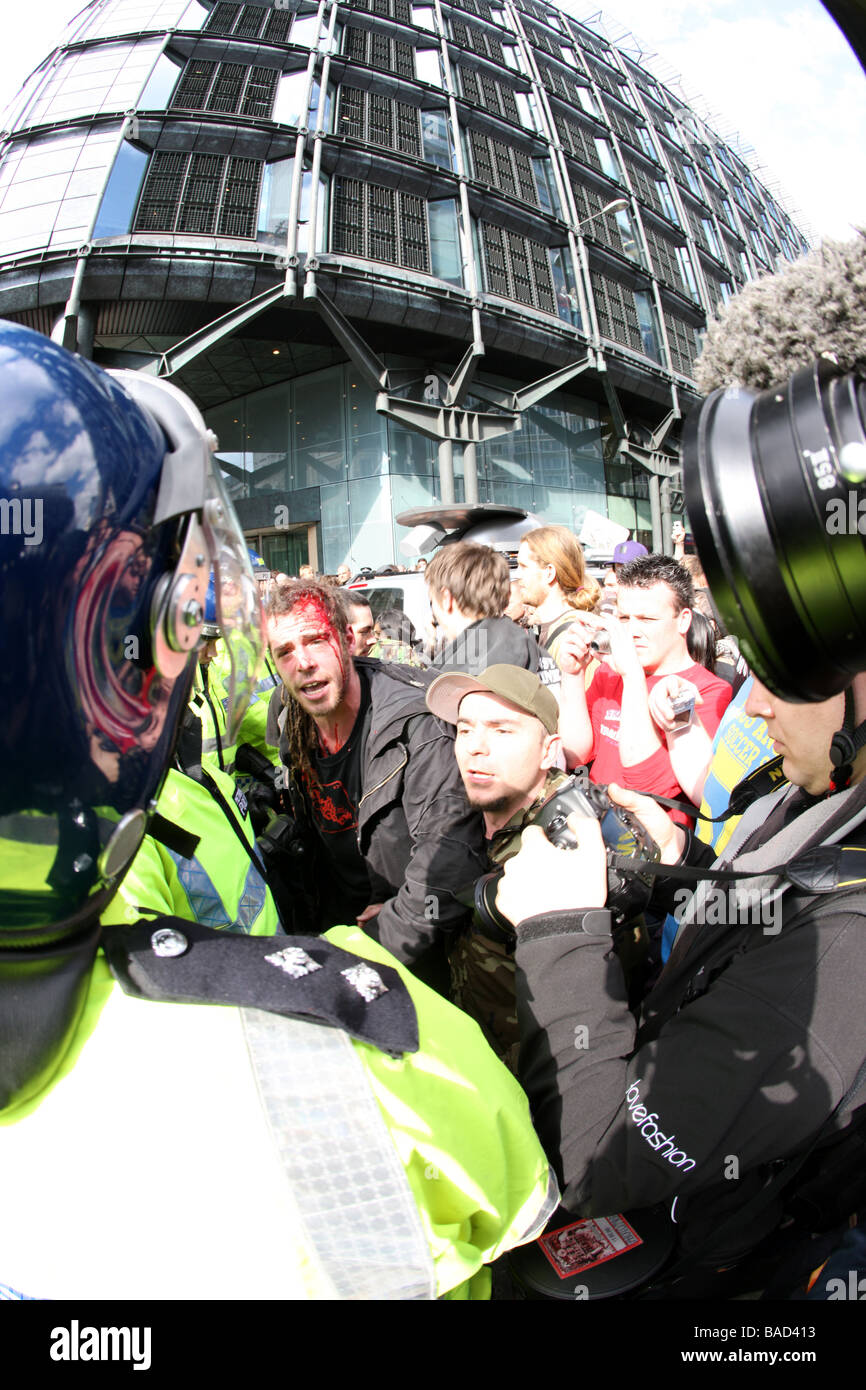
x: 105, y: 551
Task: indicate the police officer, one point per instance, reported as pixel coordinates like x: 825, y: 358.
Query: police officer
x: 211, y: 1151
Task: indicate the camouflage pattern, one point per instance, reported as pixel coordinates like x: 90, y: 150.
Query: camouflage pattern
x: 482, y: 969
x: 390, y: 649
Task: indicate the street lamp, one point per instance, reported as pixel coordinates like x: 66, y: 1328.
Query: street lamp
x: 618, y: 205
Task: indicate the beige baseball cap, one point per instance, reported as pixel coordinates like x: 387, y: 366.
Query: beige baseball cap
x: 512, y: 683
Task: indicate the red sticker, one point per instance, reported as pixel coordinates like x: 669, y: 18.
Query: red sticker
x: 583, y: 1244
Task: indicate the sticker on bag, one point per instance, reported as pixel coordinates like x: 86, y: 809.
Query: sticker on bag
x: 581, y: 1245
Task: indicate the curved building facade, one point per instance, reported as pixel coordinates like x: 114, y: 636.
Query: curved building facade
x: 396, y: 252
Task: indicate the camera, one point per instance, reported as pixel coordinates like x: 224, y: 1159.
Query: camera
x: 683, y: 707
x: 628, y: 890
x: 775, y: 490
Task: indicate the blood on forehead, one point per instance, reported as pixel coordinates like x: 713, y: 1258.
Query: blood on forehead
x: 312, y: 612
x: 311, y: 609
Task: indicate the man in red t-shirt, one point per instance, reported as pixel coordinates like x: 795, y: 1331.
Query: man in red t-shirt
x: 627, y: 721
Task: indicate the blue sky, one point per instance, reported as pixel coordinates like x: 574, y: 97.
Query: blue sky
x: 777, y: 71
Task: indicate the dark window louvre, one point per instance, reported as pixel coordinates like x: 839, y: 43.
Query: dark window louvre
x: 200, y: 194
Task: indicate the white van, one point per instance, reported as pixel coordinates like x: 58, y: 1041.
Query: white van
x: 488, y: 523
x: 500, y: 527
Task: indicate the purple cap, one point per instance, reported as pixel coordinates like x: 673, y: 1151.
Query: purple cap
x: 627, y: 551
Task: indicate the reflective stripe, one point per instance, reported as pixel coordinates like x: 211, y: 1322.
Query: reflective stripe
x: 349, y: 1185
x: 207, y: 906
x: 252, y: 900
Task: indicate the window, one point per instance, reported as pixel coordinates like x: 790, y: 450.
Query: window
x: 446, y: 260
x: 436, y: 139
x: 692, y: 179
x: 687, y: 270
x: 712, y: 239
x: 607, y: 159
x: 646, y: 142
x: 160, y: 85
x: 630, y: 244
x: 587, y: 101
x: 273, y: 223
x: 424, y: 17
x: 428, y: 66
x: 666, y: 200
x: 548, y: 197
x: 121, y: 192
x: 305, y: 30
x: 567, y: 301
x: 512, y: 57
x: 527, y: 110
x: 646, y: 317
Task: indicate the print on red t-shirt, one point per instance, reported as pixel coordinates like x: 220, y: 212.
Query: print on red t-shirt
x: 653, y: 774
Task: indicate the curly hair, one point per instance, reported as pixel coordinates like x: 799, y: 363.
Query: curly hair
x: 814, y: 307
x: 328, y: 603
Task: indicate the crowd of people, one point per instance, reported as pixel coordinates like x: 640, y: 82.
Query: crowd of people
x: 452, y: 1023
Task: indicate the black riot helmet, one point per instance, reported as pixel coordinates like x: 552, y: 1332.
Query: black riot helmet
x: 112, y: 517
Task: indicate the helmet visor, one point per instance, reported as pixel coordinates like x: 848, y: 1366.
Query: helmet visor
x: 238, y: 605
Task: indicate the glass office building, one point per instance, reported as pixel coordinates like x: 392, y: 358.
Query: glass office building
x: 397, y: 253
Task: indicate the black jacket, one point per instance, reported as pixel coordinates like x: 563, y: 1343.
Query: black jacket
x: 749, y: 1040
x: 421, y: 841
x: 488, y: 642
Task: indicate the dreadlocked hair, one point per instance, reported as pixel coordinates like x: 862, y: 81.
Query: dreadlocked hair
x: 300, y: 726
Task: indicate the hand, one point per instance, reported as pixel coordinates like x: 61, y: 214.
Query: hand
x: 661, y: 707
x: 678, y: 532
x: 670, y: 838
x: 623, y: 657
x: 575, y: 653
x: 369, y: 913
x: 542, y: 878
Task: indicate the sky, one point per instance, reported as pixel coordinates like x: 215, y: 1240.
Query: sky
x: 779, y: 72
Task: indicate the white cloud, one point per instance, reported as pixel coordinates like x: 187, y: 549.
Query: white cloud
x: 782, y: 76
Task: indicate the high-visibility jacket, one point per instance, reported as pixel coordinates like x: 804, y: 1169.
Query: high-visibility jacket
x: 220, y: 886
x: 147, y: 1168
x: 208, y: 702
x: 254, y: 723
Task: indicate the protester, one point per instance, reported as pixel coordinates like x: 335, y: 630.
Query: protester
x: 736, y: 1092
x: 507, y: 751
x: 627, y: 723
x: 470, y: 588
x: 396, y: 839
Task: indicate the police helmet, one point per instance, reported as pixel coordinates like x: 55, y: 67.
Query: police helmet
x: 112, y: 517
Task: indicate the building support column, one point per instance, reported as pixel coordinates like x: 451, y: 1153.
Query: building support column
x: 470, y: 475
x: 446, y: 472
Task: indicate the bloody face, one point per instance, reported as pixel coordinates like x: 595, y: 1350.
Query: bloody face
x: 313, y: 659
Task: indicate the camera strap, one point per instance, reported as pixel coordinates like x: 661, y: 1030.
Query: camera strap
x: 821, y: 867
x: 764, y: 780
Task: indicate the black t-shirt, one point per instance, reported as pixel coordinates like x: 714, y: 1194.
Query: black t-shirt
x: 345, y: 889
